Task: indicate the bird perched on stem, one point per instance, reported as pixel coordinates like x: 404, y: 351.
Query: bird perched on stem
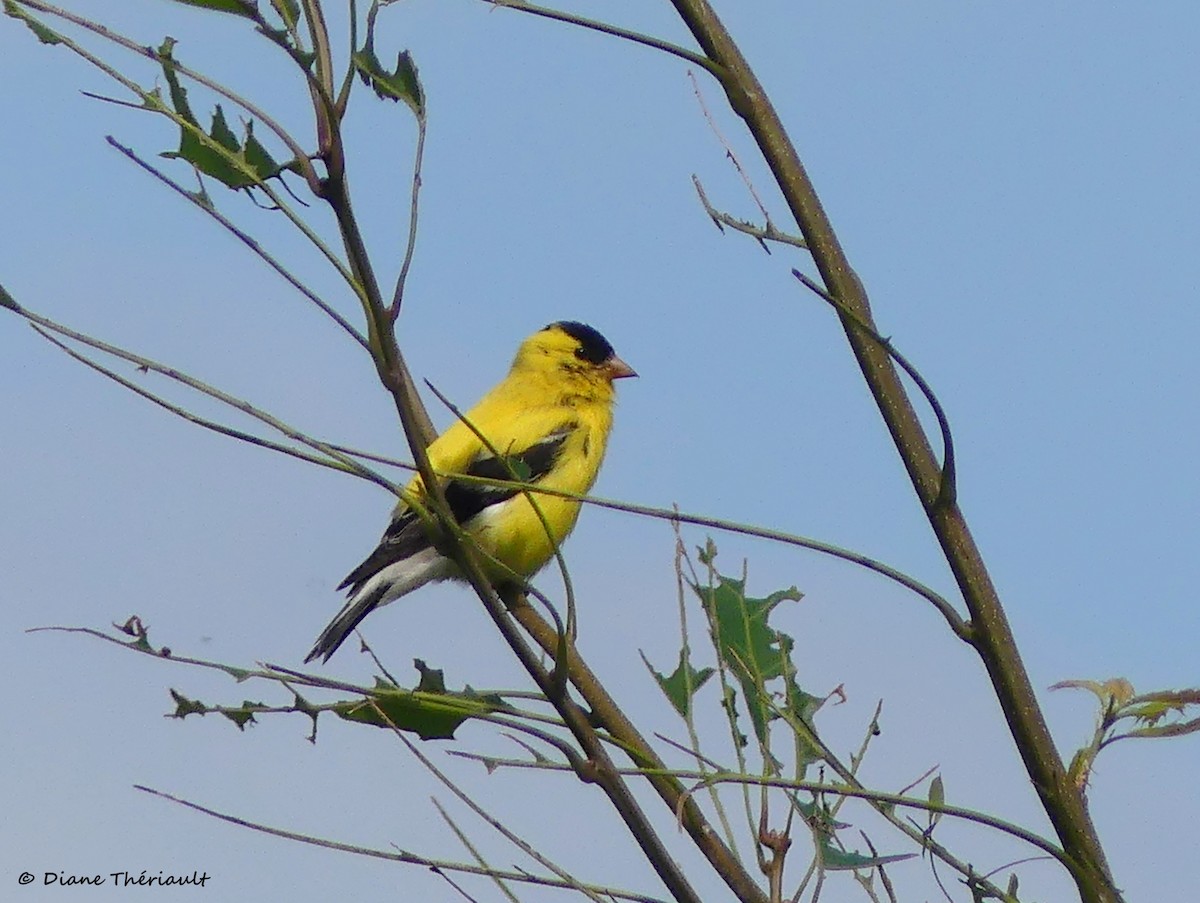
x: 549, y: 420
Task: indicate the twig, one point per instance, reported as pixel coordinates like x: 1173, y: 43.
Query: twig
x: 413, y: 209
x: 511, y: 836
x: 763, y: 233
x: 224, y: 397
x: 907, y: 787
x: 301, y: 158
x: 729, y: 153
x: 196, y: 418
x: 471, y: 848
x: 856, y: 759
x: 343, y: 453
x: 854, y: 790
x: 246, y: 239
x: 462, y: 892
x: 947, y: 491
x: 993, y: 637
x: 399, y: 856
x: 883, y: 875
x: 689, y: 718
x: 944, y: 607
x: 615, y: 31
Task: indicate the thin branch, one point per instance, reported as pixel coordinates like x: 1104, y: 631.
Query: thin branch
x: 689, y: 713
x: 246, y: 239
x: 196, y: 418
x: 994, y: 640
x: 347, y: 455
x: 947, y: 491
x: 883, y: 876
x: 568, y: 587
x: 414, y: 206
x: 351, y: 465
x: 320, y: 87
x: 854, y: 790
x: 511, y: 836
x: 613, y: 30
x: 342, y: 100
x: 471, y: 848
x: 763, y: 234
x: 301, y: 157
x: 943, y: 605
x: 729, y: 152
x: 399, y: 856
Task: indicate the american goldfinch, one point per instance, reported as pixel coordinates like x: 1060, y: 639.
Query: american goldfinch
x: 549, y: 419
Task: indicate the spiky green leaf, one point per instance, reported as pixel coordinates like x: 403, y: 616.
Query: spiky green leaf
x: 430, y: 711
x: 841, y: 860
x: 401, y: 84
x: 244, y: 714
x: 682, y: 684
x: 755, y: 652
x: 288, y: 10
x: 185, y: 706
x: 235, y: 163
x: 43, y: 33
x: 244, y: 8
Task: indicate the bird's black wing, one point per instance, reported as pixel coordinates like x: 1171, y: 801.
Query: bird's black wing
x: 528, y: 465
x: 405, y: 536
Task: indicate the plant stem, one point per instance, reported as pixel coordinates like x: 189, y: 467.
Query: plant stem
x: 608, y: 714
x: 993, y: 638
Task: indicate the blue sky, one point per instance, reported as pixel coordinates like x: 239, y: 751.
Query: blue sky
x: 1015, y: 185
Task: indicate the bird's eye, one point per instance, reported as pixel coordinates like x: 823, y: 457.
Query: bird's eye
x: 579, y: 353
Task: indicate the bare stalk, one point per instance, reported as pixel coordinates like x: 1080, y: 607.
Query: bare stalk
x: 992, y: 636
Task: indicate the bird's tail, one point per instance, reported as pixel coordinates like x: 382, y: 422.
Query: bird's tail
x: 384, y: 586
x: 356, y: 608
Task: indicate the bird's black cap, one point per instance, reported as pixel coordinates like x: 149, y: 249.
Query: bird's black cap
x: 593, y: 346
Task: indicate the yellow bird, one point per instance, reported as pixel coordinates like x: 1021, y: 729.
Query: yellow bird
x: 549, y: 419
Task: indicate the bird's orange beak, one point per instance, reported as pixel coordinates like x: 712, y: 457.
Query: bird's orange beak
x: 618, y: 369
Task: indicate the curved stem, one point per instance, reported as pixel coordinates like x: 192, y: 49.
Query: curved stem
x: 614, y: 30
x: 993, y: 636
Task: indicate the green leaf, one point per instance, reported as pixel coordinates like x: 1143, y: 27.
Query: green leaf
x: 1175, y: 729
x: 403, y: 84
x: 1150, y: 708
x: 755, y: 652
x: 682, y: 684
x: 243, y: 715
x: 937, y: 796
x: 185, y: 706
x: 841, y: 860
x: 803, y: 706
x: 519, y: 467
x: 428, y: 716
x: 44, y: 34
x: 201, y: 154
x: 433, y: 680
x: 288, y: 10
x: 244, y: 8
x: 1115, y: 691
x: 1151, y: 712
x: 430, y: 711
x: 8, y: 301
